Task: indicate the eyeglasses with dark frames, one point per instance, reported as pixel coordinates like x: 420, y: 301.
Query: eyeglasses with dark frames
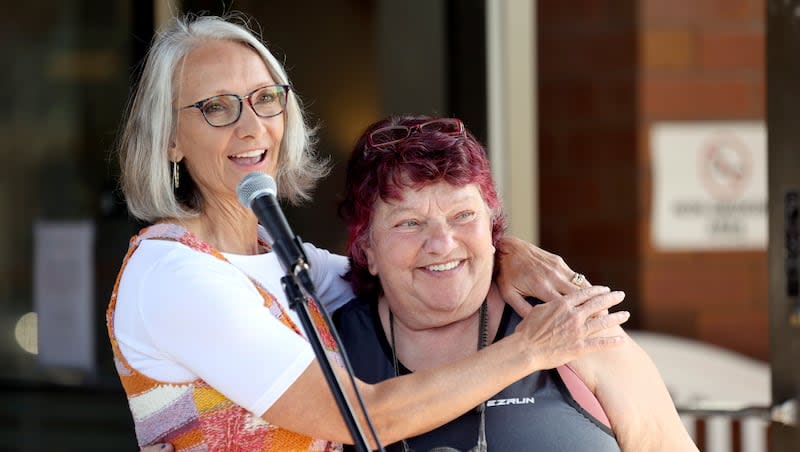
x: 387, y: 136
x: 225, y: 109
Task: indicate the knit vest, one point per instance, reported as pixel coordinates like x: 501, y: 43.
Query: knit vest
x: 193, y: 416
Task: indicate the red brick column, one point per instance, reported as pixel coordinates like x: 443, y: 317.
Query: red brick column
x: 587, y: 62
x: 608, y: 71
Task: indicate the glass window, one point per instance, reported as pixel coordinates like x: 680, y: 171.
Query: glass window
x: 65, y: 78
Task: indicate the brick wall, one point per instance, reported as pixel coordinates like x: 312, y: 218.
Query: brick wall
x: 607, y: 71
x: 587, y: 62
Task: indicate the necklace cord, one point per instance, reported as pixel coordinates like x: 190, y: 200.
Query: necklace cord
x: 483, y: 341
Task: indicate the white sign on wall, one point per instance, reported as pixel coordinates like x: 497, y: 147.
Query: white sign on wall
x: 709, y: 185
x: 64, y: 293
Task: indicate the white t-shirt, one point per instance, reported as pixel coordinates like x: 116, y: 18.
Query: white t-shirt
x: 183, y: 315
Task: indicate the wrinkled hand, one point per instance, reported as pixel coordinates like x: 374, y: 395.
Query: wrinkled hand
x: 528, y: 270
x: 157, y: 448
x: 563, y: 329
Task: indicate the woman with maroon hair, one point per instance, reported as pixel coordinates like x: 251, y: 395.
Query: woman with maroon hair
x: 424, y: 217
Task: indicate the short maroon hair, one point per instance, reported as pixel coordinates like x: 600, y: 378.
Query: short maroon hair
x: 424, y: 158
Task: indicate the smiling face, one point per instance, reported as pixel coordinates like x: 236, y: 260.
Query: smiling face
x: 218, y: 157
x: 433, y: 253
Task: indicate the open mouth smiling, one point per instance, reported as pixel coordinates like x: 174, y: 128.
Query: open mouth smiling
x: 250, y: 157
x: 443, y: 267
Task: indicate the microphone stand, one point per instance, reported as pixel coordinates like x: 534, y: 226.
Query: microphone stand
x: 298, y: 271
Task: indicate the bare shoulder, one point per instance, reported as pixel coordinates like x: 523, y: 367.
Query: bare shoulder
x: 631, y: 391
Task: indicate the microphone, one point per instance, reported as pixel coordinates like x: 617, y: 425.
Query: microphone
x: 258, y: 191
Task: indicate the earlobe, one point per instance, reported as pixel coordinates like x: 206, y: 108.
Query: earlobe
x: 371, y: 265
x: 174, y: 155
x: 174, y: 151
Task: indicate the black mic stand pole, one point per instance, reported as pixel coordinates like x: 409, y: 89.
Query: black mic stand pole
x: 298, y: 302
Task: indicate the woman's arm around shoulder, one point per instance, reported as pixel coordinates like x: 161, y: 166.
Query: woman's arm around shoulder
x: 412, y: 404
x: 631, y: 391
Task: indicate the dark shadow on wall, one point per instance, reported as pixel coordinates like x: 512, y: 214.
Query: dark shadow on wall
x: 588, y: 145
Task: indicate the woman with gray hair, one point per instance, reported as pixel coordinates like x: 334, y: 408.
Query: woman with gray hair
x: 209, y: 354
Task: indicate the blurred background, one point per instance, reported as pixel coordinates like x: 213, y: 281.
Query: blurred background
x: 629, y: 137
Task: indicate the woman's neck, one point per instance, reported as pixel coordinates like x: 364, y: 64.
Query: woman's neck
x: 420, y: 349
x: 230, y: 229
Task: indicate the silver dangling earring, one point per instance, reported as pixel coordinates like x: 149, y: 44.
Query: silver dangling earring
x: 176, y: 175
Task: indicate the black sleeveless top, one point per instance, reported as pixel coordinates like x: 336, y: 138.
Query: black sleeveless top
x: 536, y: 413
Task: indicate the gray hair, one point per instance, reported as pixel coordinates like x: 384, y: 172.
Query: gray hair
x: 151, y: 121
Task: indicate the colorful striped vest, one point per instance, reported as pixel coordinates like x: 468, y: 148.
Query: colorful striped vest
x: 193, y: 416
